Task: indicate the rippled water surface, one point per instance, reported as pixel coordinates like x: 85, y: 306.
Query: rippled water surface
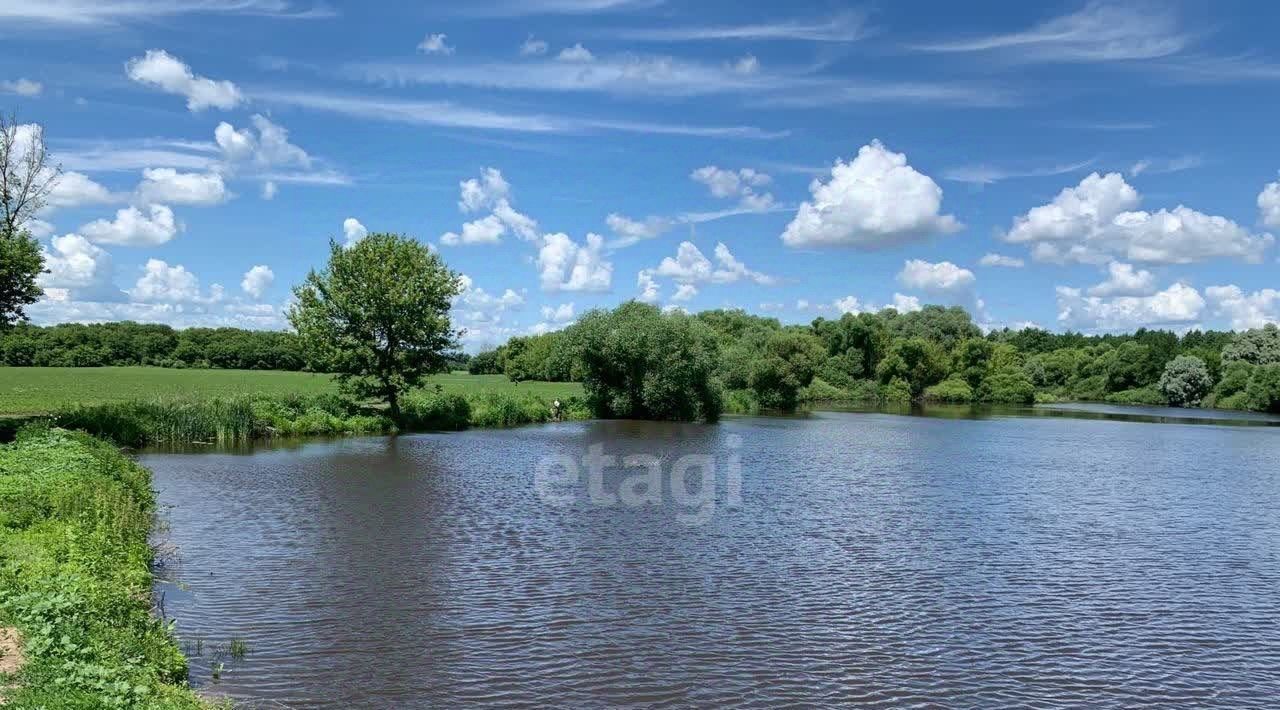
x: 864, y: 558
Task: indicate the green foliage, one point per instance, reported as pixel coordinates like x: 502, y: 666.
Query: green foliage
x: 435, y: 409
x: 973, y: 360
x: 862, y: 339
x: 1139, y: 395
x: 128, y: 343
x: 20, y: 263
x: 1008, y: 385
x: 75, y: 578
x: 217, y: 420
x: 786, y: 364
x: 955, y: 389
x: 488, y: 362
x: 897, y: 391
x: 1259, y: 346
x: 819, y: 390
x: 741, y: 401
x: 946, y: 327
x: 640, y: 363
x: 1263, y: 392
x: 1128, y: 367
x: 547, y: 357
x: 1185, y: 382
x: 918, y: 362
x: 378, y: 316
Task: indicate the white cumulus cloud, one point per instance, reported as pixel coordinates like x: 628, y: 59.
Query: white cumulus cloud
x: 133, y: 227
x: 435, y: 44
x: 73, y: 189
x: 1269, y: 205
x: 558, y: 314
x: 1010, y: 262
x: 353, y: 231
x: 1245, y: 310
x: 876, y: 200
x: 75, y: 263
x: 1097, y: 220
x: 744, y: 184
x: 1125, y: 280
x: 491, y: 192
x: 691, y: 266
x: 631, y: 231
x: 941, y: 277
x: 170, y: 186
x: 263, y: 146
x: 565, y: 265
x: 1178, y: 305
x: 162, y: 283
x: 257, y: 280
x: 166, y: 72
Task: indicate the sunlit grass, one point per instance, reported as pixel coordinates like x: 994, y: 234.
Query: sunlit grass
x: 40, y: 390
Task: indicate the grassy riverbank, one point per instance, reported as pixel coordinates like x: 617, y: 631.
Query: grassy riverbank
x: 244, y: 418
x: 75, y: 580
x: 42, y: 390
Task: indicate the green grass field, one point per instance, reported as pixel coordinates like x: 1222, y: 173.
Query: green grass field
x: 37, y: 390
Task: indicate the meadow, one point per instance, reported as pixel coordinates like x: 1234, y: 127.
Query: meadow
x: 41, y: 390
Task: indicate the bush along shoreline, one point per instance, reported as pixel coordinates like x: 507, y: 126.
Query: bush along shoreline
x: 244, y: 419
x: 75, y: 580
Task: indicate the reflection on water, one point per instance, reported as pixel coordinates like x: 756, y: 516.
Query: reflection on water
x: 871, y: 558
x: 1071, y: 410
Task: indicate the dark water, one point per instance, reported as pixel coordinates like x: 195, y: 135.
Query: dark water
x: 873, y: 559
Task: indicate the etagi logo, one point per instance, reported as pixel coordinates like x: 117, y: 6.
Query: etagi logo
x: 693, y: 481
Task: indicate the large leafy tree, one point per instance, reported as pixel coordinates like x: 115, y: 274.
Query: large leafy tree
x: 640, y: 363
x: 918, y: 362
x: 378, y: 316
x: 20, y: 264
x: 1186, y: 381
x: 26, y: 178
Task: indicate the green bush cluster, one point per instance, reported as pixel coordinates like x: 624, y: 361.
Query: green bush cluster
x: 75, y: 578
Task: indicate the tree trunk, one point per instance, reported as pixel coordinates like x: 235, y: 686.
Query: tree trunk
x: 393, y: 405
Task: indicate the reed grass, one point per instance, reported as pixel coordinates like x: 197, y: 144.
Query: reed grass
x: 242, y: 419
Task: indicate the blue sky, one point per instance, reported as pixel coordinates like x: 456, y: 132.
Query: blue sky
x: 1087, y: 165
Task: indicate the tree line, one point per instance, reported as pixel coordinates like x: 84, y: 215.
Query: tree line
x: 630, y: 358
x: 128, y: 343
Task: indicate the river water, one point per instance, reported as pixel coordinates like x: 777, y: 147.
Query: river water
x: 837, y: 558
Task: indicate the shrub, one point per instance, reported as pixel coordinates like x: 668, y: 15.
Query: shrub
x: 954, y: 389
x: 504, y: 409
x: 896, y: 392
x: 741, y: 401
x: 436, y: 409
x: 864, y: 391
x: 819, y: 390
x: 1139, y: 395
x: 1263, y: 393
x: 1185, y: 381
x: 1008, y: 385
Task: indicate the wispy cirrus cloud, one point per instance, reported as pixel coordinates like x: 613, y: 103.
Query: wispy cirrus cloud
x: 1139, y: 34
x: 848, y: 26
x: 985, y: 174
x: 521, y: 8
x: 1159, y: 166
x: 101, y: 13
x: 636, y: 75
x: 447, y: 114
x: 1100, y: 31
